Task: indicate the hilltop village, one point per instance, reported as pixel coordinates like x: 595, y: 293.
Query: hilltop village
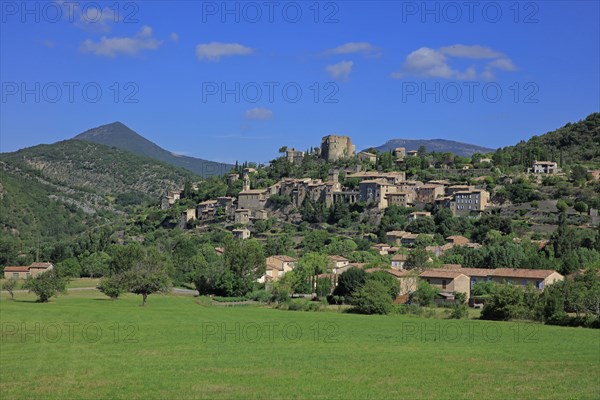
x: 373, y: 183
x: 375, y: 188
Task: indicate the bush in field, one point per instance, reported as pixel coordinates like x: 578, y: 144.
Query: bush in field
x: 372, y: 298
x: 507, y: 302
x: 280, y: 295
x: 112, y: 286
x: 9, y: 285
x: 459, y: 308
x: 46, y: 285
x: 259, y: 295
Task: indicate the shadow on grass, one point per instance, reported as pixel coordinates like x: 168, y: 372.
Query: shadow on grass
x: 26, y: 301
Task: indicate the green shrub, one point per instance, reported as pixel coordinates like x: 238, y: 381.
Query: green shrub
x: 46, y: 285
x: 112, y: 286
x: 233, y: 299
x: 372, y: 298
x: 259, y: 295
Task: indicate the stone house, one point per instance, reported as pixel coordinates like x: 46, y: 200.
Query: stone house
x: 241, y: 233
x: 400, y: 199
x: 428, y: 193
x: 399, y: 261
x: 253, y: 199
x: 395, y: 237
x: 544, y: 167
x: 466, y: 202
x: 418, y: 214
x: 242, y: 216
x: 375, y: 192
x: 364, y: 156
x: 24, y: 272
x: 447, y: 281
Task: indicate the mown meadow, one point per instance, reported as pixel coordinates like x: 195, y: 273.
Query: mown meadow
x: 83, y: 345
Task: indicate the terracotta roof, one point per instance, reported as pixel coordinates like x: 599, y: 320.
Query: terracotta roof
x: 16, y: 269
x: 357, y: 265
x: 521, y: 273
x: 441, y: 273
x: 394, y: 272
x: 476, y: 271
x: 458, y: 238
x: 399, y: 257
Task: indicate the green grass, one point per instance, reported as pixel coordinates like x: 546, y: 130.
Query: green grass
x: 343, y: 356
x: 73, y: 283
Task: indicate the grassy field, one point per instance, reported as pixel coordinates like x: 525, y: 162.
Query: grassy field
x: 83, y: 345
x: 73, y: 283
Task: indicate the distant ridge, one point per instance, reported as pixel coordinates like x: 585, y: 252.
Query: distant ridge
x: 437, y: 145
x: 122, y: 137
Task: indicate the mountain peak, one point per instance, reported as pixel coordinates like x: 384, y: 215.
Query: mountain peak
x: 116, y: 128
x: 116, y: 134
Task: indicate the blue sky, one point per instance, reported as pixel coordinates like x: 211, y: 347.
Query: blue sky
x: 187, y: 75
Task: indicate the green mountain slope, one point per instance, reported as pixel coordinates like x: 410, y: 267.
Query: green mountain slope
x: 59, y: 190
x: 574, y: 143
x: 120, y: 136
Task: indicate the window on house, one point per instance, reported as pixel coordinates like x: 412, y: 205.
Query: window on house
x: 443, y: 284
x: 16, y: 275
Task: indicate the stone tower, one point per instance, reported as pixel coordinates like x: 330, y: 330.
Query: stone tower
x: 335, y: 147
x: 246, y: 182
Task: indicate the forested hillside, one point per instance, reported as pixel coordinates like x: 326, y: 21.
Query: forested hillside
x: 54, y: 192
x: 574, y: 143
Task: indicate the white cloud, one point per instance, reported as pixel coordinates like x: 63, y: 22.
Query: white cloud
x: 96, y: 19
x: 475, y: 51
x: 259, y: 113
x: 340, y: 71
x: 174, y: 37
x: 112, y: 47
x: 215, y: 50
x: 364, y: 48
x: 503, y: 64
x: 435, y: 63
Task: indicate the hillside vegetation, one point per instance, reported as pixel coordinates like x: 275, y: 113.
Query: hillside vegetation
x: 574, y: 143
x: 60, y: 190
